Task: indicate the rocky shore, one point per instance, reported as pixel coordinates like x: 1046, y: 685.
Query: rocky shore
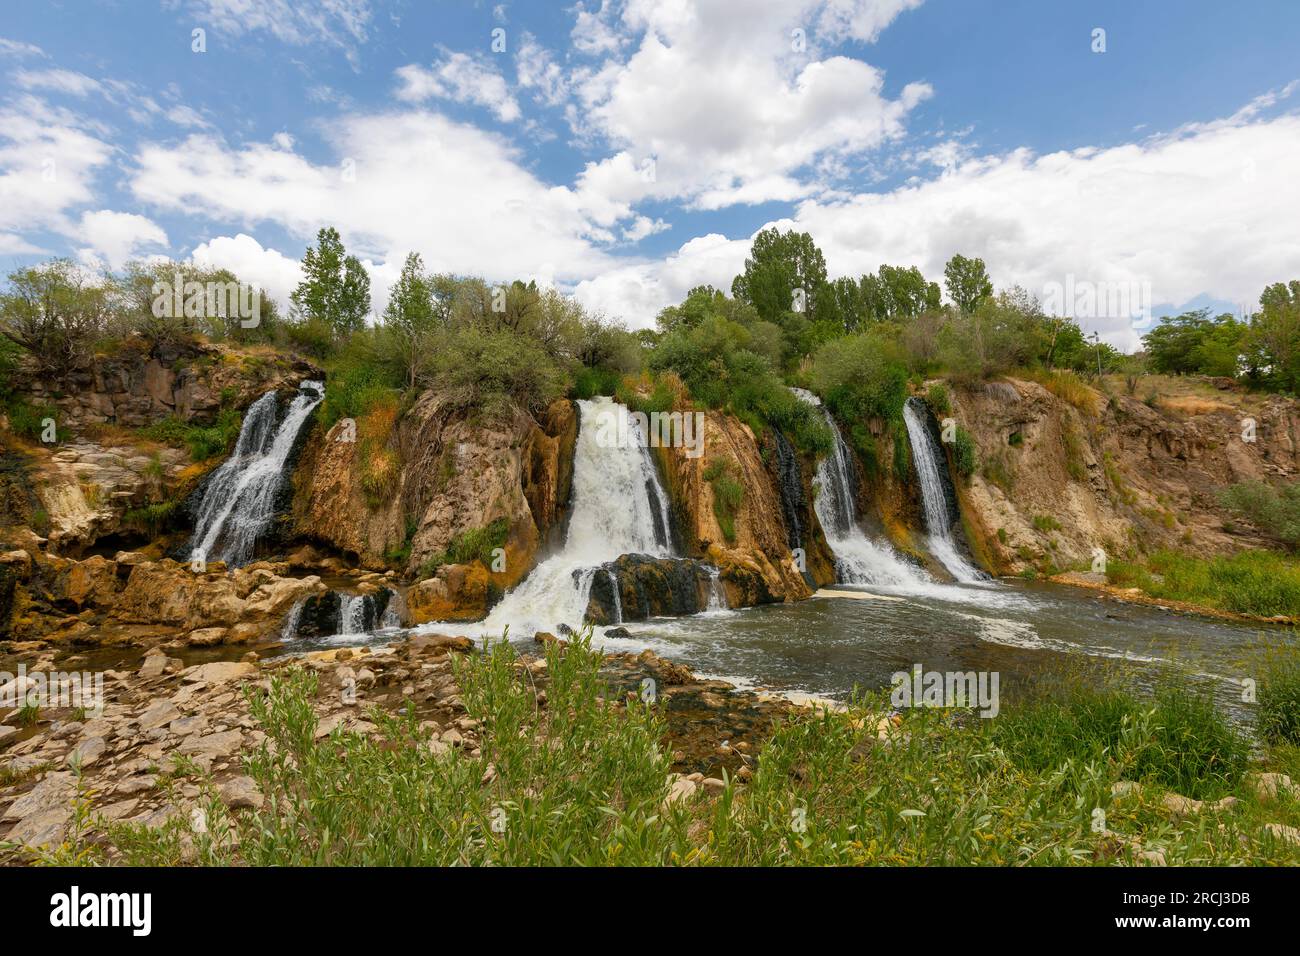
x: 170, y: 734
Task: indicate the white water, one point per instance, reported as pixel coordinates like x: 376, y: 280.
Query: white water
x: 858, y: 559
x: 239, y: 500
x: 618, y: 507
x: 926, y: 455
x: 352, y: 614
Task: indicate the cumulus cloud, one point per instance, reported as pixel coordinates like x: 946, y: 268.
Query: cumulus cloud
x: 114, y: 237
x: 48, y: 162
x: 735, y: 110
x: 253, y: 263
x: 1209, y: 209
x: 409, y: 180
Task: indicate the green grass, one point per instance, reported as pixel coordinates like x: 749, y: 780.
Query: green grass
x: 203, y: 441
x: 727, y: 495
x: 474, y: 544
x: 577, y: 781
x: 1279, y: 697
x: 1046, y: 523
x: 1250, y: 582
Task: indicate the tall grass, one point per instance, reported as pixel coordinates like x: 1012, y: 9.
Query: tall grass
x: 1263, y: 583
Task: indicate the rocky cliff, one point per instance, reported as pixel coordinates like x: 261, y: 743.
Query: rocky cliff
x: 1056, y: 481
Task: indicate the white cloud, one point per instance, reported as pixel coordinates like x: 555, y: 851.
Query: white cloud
x: 731, y: 108
x: 19, y: 49
x: 252, y: 263
x: 1209, y: 209
x: 58, y: 81
x: 48, y: 160
x: 462, y: 79
x: 341, y: 23
x: 115, y: 237
x: 418, y: 181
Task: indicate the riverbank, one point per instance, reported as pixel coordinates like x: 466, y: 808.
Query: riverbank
x: 430, y: 752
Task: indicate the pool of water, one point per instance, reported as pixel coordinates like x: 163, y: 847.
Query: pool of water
x: 851, y: 637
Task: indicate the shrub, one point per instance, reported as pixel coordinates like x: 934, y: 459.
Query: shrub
x: 727, y: 495
x: 1275, y: 511
x: 859, y: 377
x: 936, y: 396
x: 496, y: 370
x: 203, y: 441
x: 963, y: 452
x: 474, y: 544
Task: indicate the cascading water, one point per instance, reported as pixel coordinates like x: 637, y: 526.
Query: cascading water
x: 858, y: 559
x: 352, y: 614
x: 939, y: 516
x: 239, y: 500
x: 790, y: 485
x: 619, y: 507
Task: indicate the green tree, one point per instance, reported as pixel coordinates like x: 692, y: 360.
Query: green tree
x: 900, y: 293
x: 967, y: 282
x: 53, y: 312
x: 1273, y: 339
x: 335, y: 290
x: 410, y: 316
x: 778, y: 264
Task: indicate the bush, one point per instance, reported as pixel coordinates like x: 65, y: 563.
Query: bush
x: 936, y: 396
x: 1275, y: 511
x: 963, y: 452
x: 203, y: 441
x: 727, y: 495
x: 860, y: 377
x: 474, y: 544
x: 496, y: 370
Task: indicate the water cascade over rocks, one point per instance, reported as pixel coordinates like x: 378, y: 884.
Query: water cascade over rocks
x: 618, y: 507
x: 858, y: 559
x: 937, y: 497
x: 239, y: 499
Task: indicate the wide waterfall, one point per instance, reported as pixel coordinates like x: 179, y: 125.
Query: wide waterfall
x: 619, y: 507
x: 858, y: 559
x: 939, y: 509
x: 239, y: 500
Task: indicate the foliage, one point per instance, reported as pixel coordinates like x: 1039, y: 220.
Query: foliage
x: 727, y: 495
x: 1274, y: 510
x: 1279, y: 697
x: 335, y: 288
x: 967, y: 282
x: 1249, y: 582
x: 861, y: 377
x: 203, y: 441
x: 963, y: 452
x: 54, y: 313
x: 473, y: 544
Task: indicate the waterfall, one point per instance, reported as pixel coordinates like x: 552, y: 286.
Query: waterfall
x: 940, y: 509
x: 717, y: 593
x: 289, y: 630
x: 618, y: 598
x: 790, y: 484
x: 239, y: 500
x: 618, y: 507
x: 858, y: 559
x: 353, y: 610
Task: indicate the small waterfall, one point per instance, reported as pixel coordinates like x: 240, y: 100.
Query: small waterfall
x: 858, y: 559
x: 353, y: 610
x: 289, y: 630
x: 618, y: 598
x: 717, y: 593
x: 936, y: 497
x: 618, y: 507
x: 790, y: 484
x: 239, y: 500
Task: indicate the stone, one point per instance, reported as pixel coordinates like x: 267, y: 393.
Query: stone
x: 1268, y: 786
x: 54, y: 790
x: 212, y: 746
x: 116, y: 811
x: 186, y: 726
x: 154, y: 666
x: 41, y: 830
x: 219, y: 672
x: 88, y: 752
x: 134, y: 785
x: 161, y: 713
x: 1280, y: 831
x: 241, y: 793
x: 1181, y: 806
x: 682, y: 789
x: 713, y: 784
x: 7, y: 732
x: 206, y: 637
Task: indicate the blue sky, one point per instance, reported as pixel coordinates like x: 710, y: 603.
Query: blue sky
x: 629, y: 150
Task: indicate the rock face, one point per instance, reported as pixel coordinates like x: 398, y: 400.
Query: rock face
x: 637, y: 586
x: 458, y: 474
x: 136, y: 387
x: 1127, y: 475
x: 757, y: 565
